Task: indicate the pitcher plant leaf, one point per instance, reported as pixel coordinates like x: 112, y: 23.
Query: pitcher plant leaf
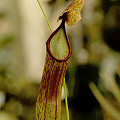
x: 72, y: 14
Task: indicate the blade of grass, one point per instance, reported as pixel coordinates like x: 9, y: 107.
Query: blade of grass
x: 46, y: 18
x: 110, y: 109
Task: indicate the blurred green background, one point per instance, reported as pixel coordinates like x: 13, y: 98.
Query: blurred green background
x: 95, y: 41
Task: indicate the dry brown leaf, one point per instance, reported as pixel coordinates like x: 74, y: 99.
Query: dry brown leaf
x: 72, y: 14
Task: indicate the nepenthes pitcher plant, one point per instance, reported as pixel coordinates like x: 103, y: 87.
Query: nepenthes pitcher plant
x: 48, y: 105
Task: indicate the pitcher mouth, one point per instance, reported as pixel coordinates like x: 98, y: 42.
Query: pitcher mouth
x: 68, y: 46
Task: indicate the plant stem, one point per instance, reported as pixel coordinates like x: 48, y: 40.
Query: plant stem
x: 66, y: 102
x: 45, y: 15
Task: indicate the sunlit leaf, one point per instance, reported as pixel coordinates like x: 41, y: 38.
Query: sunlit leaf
x: 72, y: 14
x: 48, y: 105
